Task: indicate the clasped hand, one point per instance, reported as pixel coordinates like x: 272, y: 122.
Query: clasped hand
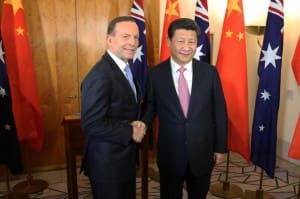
x: 139, y: 131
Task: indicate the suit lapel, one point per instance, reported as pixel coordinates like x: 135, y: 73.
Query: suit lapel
x: 121, y: 77
x: 196, y: 83
x: 171, y: 87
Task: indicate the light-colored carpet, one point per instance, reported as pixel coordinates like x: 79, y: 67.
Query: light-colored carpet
x: 244, y: 175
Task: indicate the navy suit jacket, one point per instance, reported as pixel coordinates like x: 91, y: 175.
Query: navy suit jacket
x: 108, y: 107
x: 193, y: 140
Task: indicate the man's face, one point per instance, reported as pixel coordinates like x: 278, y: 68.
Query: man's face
x: 124, y: 41
x: 183, y: 46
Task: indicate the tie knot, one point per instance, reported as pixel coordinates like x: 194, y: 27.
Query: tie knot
x: 127, y: 68
x: 181, y: 69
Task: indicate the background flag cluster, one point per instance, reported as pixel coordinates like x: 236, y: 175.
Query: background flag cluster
x: 264, y: 129
x: 139, y: 62
x: 22, y: 81
x: 232, y: 68
x: 10, y: 153
x: 201, y: 18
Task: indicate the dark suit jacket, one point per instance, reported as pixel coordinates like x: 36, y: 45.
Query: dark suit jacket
x: 193, y: 140
x: 108, y: 108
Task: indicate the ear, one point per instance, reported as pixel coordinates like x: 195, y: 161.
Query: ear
x: 169, y: 42
x: 108, y: 39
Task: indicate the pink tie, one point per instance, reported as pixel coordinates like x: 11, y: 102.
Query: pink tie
x: 183, y: 91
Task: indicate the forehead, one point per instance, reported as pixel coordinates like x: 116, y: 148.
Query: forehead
x: 183, y: 33
x: 126, y: 27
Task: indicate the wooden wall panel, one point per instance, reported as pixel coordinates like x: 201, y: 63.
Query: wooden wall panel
x: 52, y: 32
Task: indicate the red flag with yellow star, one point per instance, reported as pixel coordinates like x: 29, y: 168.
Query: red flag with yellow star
x: 20, y: 69
x: 171, y: 13
x: 296, y: 62
x: 232, y: 68
x: 294, y: 151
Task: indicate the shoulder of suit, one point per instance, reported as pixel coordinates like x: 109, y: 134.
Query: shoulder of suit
x: 161, y: 66
x: 202, y: 64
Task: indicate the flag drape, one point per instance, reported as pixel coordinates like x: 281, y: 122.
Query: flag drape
x: 201, y: 18
x: 25, y: 100
x: 296, y: 62
x: 10, y: 153
x: 139, y: 63
x: 232, y: 68
x: 294, y: 151
x: 171, y: 13
x: 264, y: 129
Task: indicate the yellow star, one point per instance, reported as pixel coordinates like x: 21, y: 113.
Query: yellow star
x: 16, y: 4
x: 20, y: 31
x: 228, y: 33
x: 171, y: 10
x: 240, y: 36
x: 233, y: 5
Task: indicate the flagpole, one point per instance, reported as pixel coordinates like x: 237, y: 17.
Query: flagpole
x: 30, y: 185
x: 9, y: 194
x: 225, y: 189
x: 260, y: 193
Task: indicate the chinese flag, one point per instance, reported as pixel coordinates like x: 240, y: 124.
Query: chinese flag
x: 296, y: 62
x: 25, y: 100
x: 294, y: 151
x: 171, y: 13
x: 232, y: 68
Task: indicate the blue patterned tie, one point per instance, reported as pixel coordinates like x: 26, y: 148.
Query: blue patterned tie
x: 130, y: 79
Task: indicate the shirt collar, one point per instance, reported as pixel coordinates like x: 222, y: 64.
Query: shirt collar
x: 118, y: 61
x: 175, y: 66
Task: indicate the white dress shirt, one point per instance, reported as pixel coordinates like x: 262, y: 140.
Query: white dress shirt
x: 188, y: 74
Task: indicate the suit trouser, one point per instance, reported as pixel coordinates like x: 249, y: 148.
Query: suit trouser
x: 113, y: 190
x: 197, y: 186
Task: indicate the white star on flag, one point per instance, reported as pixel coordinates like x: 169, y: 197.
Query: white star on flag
x: 265, y: 95
x: 1, y: 52
x: 2, y: 92
x: 7, y: 127
x: 138, y: 54
x: 261, y: 128
x: 270, y: 56
x: 199, y: 52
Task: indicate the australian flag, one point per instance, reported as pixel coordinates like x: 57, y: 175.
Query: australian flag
x: 10, y: 154
x: 264, y: 129
x: 201, y: 18
x: 139, y: 62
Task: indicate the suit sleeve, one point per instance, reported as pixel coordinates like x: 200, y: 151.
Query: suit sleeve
x: 95, y: 106
x: 149, y: 109
x: 221, y: 120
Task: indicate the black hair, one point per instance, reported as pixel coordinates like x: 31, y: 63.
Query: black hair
x: 183, y: 23
x: 112, y: 23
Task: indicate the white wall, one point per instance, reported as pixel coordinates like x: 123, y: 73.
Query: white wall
x: 255, y: 12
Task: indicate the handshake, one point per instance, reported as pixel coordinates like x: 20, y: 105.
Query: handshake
x: 139, y: 131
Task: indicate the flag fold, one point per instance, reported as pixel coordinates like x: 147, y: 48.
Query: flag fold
x: 294, y: 151
x: 171, y: 13
x: 20, y: 69
x: 232, y: 68
x: 296, y: 62
x: 201, y: 18
x: 264, y: 128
